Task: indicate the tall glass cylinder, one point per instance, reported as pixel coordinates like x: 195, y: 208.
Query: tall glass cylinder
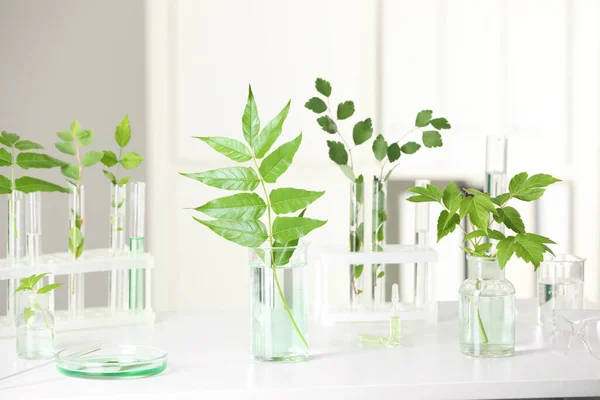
x: 357, y: 242
x: 560, y: 286
x: 34, y: 226
x: 76, y: 247
x: 15, y: 242
x: 378, y: 220
x: 137, y: 215
x: 278, y: 303
x: 486, y: 310
x: 118, y: 287
x: 422, y: 270
x: 495, y: 169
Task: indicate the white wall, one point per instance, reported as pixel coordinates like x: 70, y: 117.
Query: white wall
x: 65, y: 60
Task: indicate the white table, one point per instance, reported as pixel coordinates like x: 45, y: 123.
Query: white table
x: 208, y: 358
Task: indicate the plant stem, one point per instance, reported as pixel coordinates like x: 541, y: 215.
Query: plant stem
x: 476, y: 310
x: 341, y: 137
x: 273, y: 266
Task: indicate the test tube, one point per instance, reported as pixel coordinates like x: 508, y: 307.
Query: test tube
x: 422, y: 270
x: 137, y: 212
x: 77, y: 226
x: 15, y: 243
x: 34, y: 226
x: 495, y: 169
x: 119, y: 279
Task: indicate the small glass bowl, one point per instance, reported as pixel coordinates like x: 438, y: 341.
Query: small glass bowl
x: 116, y: 362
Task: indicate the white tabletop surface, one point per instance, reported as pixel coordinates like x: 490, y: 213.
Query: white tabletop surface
x: 208, y: 358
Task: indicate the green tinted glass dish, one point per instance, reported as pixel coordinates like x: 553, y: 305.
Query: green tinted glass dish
x: 118, y: 362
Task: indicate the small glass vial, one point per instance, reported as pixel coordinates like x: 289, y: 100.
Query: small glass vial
x: 395, y: 322
x: 560, y: 286
x: 486, y: 310
x: 136, y: 229
x: 35, y: 326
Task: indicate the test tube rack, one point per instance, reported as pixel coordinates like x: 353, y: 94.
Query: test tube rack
x: 404, y: 255
x: 91, y: 261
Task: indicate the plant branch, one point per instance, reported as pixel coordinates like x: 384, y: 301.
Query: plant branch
x: 340, y: 135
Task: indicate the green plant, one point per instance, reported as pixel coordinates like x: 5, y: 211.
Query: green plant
x: 237, y: 217
x: 28, y: 284
x: 25, y: 154
x: 71, y: 144
x: 128, y: 160
x: 387, y: 152
x: 481, y: 212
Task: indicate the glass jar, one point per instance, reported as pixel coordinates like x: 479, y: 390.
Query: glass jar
x: 278, y: 303
x: 486, y: 310
x: 35, y: 326
x: 560, y: 285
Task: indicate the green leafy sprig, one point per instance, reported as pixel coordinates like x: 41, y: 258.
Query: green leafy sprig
x: 25, y: 154
x: 28, y: 284
x: 481, y: 211
x: 237, y: 217
x: 72, y: 143
x: 128, y: 160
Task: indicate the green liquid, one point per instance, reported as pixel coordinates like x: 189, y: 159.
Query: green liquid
x: 136, y: 277
x: 113, y: 368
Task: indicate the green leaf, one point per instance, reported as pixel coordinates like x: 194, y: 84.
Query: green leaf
x: 425, y: 194
x: 35, y: 160
x: 10, y: 138
x: 286, y: 229
x: 496, y: 235
x: 28, y: 145
x: 440, y: 123
x: 393, y: 152
x: 233, y: 178
x: 501, y: 199
x: 478, y: 208
x: 475, y: 234
x: 446, y: 224
x: 283, y: 255
x: 452, y: 197
x: 34, y: 279
x: 316, y: 105
x: 270, y: 133
x: 85, y: 138
x: 28, y: 312
x: 530, y: 188
x: 432, y: 139
x: 109, y: 158
x: 131, y: 160
x: 27, y: 184
x: 289, y: 200
x: 5, y: 185
x: 337, y: 152
x: 111, y: 177
x: 363, y: 130
x: 5, y: 158
x: 482, y: 248
x: 347, y: 170
x: 70, y: 171
x: 423, y: 118
x: 276, y: 163
x: 123, y: 132
x: 505, y: 249
x: 327, y: 124
x: 75, y: 127
x: 323, y: 87
x: 358, y: 270
x: 76, y: 242
x: 250, y: 120
x: 239, y: 207
x: 531, y: 248
x: 345, y: 110
x: 94, y: 157
x: 410, y: 147
x: 511, y: 218
x: 230, y: 148
x: 124, y: 180
x: 66, y: 136
x: 244, y: 233
x: 380, y: 147
x: 48, y: 288
x: 380, y: 275
x: 66, y: 148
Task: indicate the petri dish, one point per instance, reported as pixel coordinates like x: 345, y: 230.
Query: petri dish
x: 116, y: 362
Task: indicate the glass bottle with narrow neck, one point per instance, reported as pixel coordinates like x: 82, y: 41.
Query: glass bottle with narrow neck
x: 486, y: 310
